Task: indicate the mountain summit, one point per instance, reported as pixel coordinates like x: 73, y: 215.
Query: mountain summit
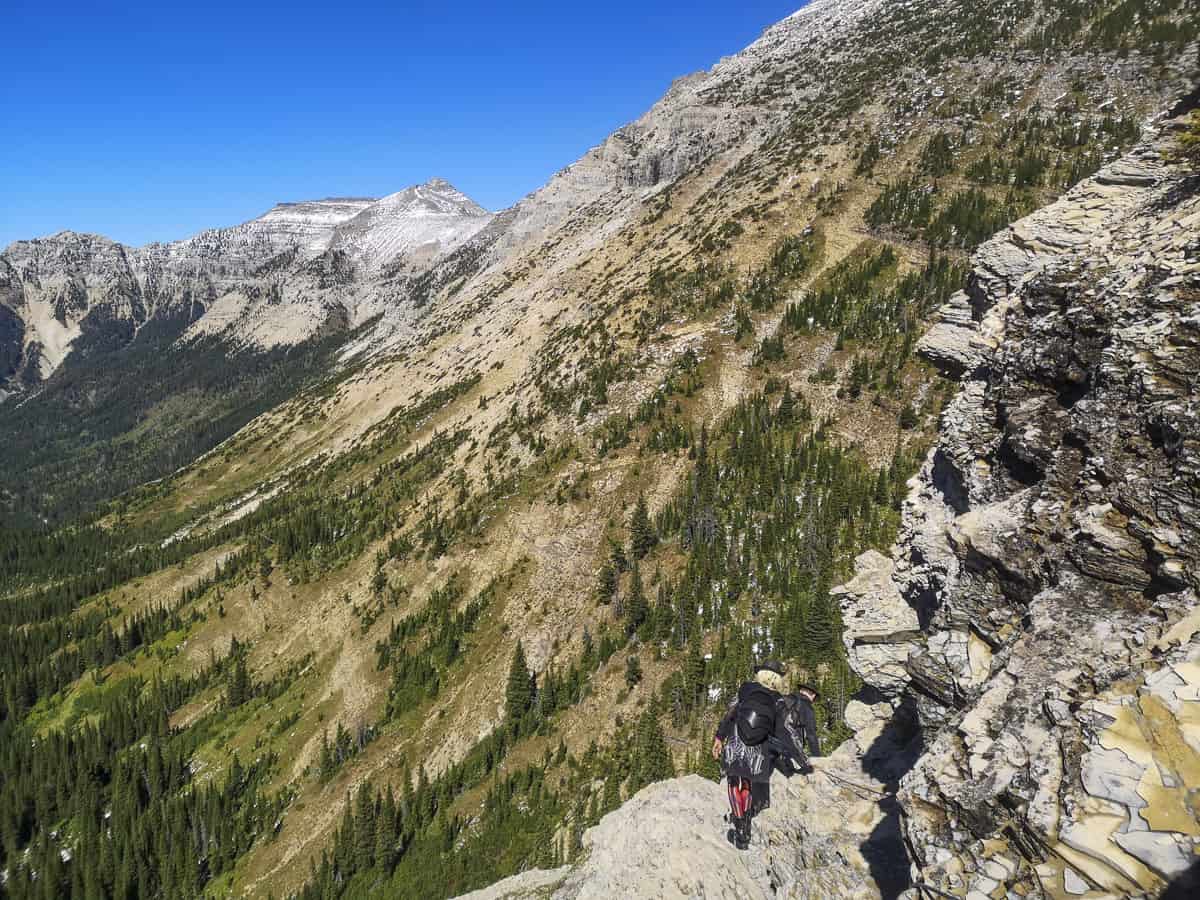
x: 413, y: 226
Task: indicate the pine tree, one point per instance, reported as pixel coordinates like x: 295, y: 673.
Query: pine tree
x: 620, y: 561
x: 820, y: 628
x: 642, y: 536
x: 386, y: 835
x: 636, y: 607
x: 612, y: 794
x: 606, y: 586
x: 364, y: 829
x: 325, y: 765
x: 651, y: 759
x: 787, y: 407
x: 693, y: 674
x: 518, y: 693
x: 238, y: 691
x: 633, y: 672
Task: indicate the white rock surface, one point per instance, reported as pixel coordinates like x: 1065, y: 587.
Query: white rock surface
x: 820, y: 839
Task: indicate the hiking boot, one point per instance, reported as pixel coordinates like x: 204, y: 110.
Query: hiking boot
x: 738, y: 841
x: 741, y: 833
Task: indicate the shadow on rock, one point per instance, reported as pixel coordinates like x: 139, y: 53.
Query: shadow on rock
x: 1186, y: 886
x: 889, y: 757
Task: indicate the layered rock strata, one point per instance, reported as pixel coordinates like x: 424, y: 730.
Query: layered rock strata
x: 1049, y: 550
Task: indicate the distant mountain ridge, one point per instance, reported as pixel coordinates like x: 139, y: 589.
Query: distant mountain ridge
x: 307, y: 268
x: 67, y: 286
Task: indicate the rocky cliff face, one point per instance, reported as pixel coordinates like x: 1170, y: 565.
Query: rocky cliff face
x: 1049, y: 556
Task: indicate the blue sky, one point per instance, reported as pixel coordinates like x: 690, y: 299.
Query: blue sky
x: 150, y: 121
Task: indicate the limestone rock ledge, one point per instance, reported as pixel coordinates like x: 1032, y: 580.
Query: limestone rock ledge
x: 820, y: 839
x: 1051, y: 551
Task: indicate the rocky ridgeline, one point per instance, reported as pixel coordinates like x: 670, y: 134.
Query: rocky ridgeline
x: 1041, y: 615
x: 296, y: 271
x: 1034, y: 647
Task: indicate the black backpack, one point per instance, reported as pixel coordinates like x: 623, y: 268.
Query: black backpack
x: 795, y: 726
x: 755, y: 714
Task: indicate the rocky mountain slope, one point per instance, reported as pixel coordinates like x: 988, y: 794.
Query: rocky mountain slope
x: 411, y: 606
x: 728, y: 161
x: 1038, y: 630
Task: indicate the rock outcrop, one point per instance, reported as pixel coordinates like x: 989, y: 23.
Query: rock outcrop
x: 1050, y: 548
x: 881, y: 629
x: 825, y: 835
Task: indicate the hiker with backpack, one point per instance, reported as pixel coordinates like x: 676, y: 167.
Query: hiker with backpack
x: 763, y: 730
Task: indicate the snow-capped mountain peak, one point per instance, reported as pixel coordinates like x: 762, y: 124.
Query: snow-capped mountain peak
x: 417, y: 223
x: 330, y: 211
x: 436, y: 196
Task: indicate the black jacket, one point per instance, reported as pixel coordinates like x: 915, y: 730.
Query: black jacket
x: 741, y: 760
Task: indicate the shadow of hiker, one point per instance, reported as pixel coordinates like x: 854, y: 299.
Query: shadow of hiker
x: 890, y: 755
x: 1185, y: 886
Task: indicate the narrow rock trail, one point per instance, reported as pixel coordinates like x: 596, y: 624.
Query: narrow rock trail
x: 822, y: 837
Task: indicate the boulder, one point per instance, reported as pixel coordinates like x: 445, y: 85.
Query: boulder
x: 881, y: 629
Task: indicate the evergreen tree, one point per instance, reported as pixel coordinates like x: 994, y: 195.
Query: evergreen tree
x: 651, y: 759
x: 620, y: 561
x: 821, y: 628
x: 637, y: 609
x: 633, y: 672
x: 364, y: 829
x: 787, y: 407
x: 693, y: 675
x: 606, y: 587
x: 612, y: 793
x: 642, y: 536
x: 518, y: 693
x: 239, y: 689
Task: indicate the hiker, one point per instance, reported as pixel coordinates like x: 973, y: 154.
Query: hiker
x: 762, y: 731
x: 801, y: 719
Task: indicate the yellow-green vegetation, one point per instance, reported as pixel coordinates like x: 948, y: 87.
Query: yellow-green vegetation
x: 1189, y: 137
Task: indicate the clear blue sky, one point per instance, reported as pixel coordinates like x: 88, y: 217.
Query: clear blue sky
x: 150, y: 121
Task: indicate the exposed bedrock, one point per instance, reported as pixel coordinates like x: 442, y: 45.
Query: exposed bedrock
x: 1048, y: 557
